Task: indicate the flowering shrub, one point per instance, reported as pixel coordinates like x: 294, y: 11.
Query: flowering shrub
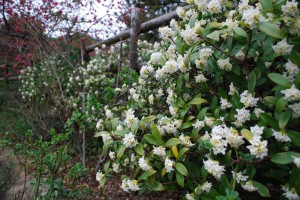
x: 216, y: 109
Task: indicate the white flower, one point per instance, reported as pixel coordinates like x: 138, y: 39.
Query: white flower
x: 258, y: 148
x: 213, y: 167
x: 224, y: 64
x: 249, y: 186
x: 225, y: 104
x: 108, y: 113
x: 116, y: 167
x: 281, y: 136
x: 99, y: 176
x: 257, y: 131
x: 282, y: 47
x: 189, y: 196
x: 232, y: 89
x: 292, y: 94
x: 248, y: 100
x: 233, y: 138
x: 291, y: 68
x: 198, y: 124
x: 159, y: 151
x: 154, y: 59
x: 296, y: 109
x: 105, y: 136
x: 166, y: 32
x: 119, y: 127
x: 239, y: 177
x: 189, y: 35
x: 252, y: 16
x: 200, y: 78
x: 169, y: 165
x: 180, y: 12
x: 257, y: 112
x: 186, y: 140
x: 144, y: 164
x: 151, y: 99
x: 242, y: 116
x: 99, y: 124
x: 132, y: 157
x: 206, y: 187
x: 129, y: 140
x: 209, y: 121
x: 128, y: 184
x: 296, y: 161
x: 290, y: 8
x: 290, y: 194
x: 214, y: 6
x: 112, y: 155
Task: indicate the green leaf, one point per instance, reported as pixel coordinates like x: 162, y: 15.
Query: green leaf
x: 100, y: 133
x: 179, y: 83
x: 284, y: 118
x: 146, y: 174
x: 215, y: 35
x: 179, y: 102
x: 157, y: 186
x: 148, y: 119
x: 271, y: 30
x: 279, y: 79
x: 173, y: 142
x: 281, y: 104
x: 202, y: 113
x: 182, y: 152
x: 240, y: 32
x: 269, y: 120
x: 163, y: 172
x: 180, y: 179
x: 139, y: 149
x: 284, y: 158
x: 261, y: 189
x: 271, y: 100
x: 266, y: 4
x: 181, y: 168
x: 294, y: 136
x: 134, y: 127
x: 247, y: 134
x: 156, y: 134
x: 150, y: 139
x: 186, y: 125
x: 252, y: 81
x: 197, y: 101
x: 121, y: 151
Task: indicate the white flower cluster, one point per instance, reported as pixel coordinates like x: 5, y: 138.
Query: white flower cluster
x: 214, y: 168
x: 130, y: 185
x: 129, y: 140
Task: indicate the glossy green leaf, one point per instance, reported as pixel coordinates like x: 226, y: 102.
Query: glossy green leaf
x: 294, y: 136
x: 284, y: 157
x: 157, y: 186
x: 241, y: 32
x: 281, y: 104
x: 279, y: 79
x: 100, y: 133
x: 261, y: 189
x: 186, y: 125
x: 252, y: 81
x: 146, y: 174
x: 181, y: 168
x: 266, y: 4
x: 121, y: 151
x: 180, y: 179
x: 197, y: 101
x: 139, y: 149
x: 284, y: 118
x: 247, y: 134
x: 150, y: 139
x: 182, y: 151
x: 269, y: 120
x: 156, y: 134
x: 148, y: 119
x: 173, y: 142
x: 271, y: 30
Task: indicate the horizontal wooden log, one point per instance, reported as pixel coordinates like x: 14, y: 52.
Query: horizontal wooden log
x: 145, y: 27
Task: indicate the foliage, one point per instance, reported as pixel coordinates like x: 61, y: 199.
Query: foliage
x: 216, y: 108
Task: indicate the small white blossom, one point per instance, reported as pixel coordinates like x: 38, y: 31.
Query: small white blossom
x: 213, y: 167
x: 225, y: 104
x: 290, y: 8
x: 242, y: 116
x: 290, y: 194
x: 296, y: 160
x: 99, y: 176
x: 239, y: 177
x: 282, y: 47
x: 249, y: 186
x: 281, y: 136
x: 169, y: 165
x: 292, y: 94
x: 224, y: 64
x: 159, y: 151
x: 206, y: 187
x: 112, y: 155
x: 248, y: 100
x: 296, y: 109
x: 200, y: 78
x: 189, y: 196
x: 198, y: 124
x: 258, y: 148
x: 143, y: 164
x: 186, y: 140
x: 129, y: 140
